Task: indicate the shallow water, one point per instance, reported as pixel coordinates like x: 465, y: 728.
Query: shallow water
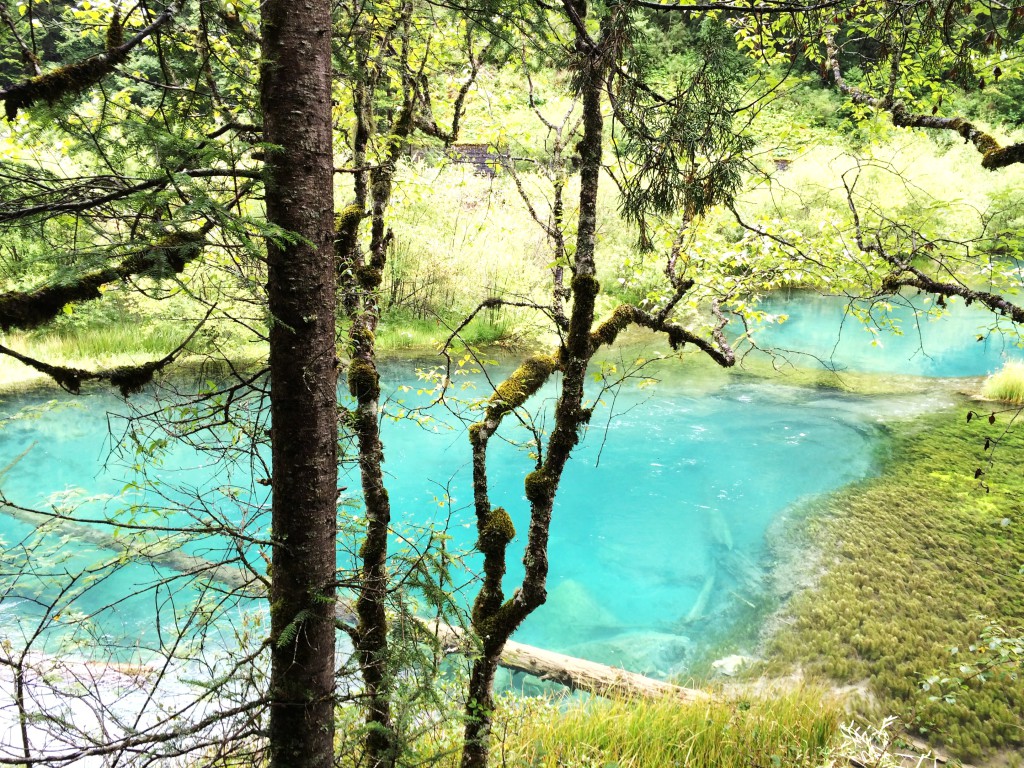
x: 669, y: 496
x: 662, y: 535
x: 825, y: 332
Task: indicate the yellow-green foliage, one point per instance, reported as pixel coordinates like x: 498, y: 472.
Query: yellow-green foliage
x: 1006, y: 385
x: 793, y: 729
x: 919, y: 553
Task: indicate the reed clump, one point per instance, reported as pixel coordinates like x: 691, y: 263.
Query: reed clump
x: 1006, y: 385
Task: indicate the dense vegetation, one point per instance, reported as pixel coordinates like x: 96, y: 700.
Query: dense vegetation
x: 918, y: 564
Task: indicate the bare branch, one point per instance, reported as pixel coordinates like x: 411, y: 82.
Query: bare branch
x: 105, y: 182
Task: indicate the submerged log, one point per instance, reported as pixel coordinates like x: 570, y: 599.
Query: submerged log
x: 700, y: 605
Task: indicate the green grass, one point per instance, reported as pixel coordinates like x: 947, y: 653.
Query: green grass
x: 795, y: 728
x: 1007, y: 385
x: 400, y: 332
x: 914, y: 559
x: 789, y: 729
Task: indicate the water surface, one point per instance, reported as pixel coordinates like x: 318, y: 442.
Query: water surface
x: 662, y: 537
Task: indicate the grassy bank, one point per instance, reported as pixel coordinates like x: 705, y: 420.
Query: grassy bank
x: 920, y: 561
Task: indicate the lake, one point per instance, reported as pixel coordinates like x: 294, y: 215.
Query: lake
x: 668, y: 529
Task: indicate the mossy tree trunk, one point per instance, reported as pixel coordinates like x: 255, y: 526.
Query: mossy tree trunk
x: 376, y: 64
x: 494, y: 617
x: 296, y: 100
x: 360, y: 276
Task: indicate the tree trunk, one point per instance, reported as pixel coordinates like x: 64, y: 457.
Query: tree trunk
x: 296, y: 100
x: 494, y: 617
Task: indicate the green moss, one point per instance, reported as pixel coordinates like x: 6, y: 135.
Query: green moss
x: 606, y: 333
x: 115, y: 32
x: 1000, y: 157
x: 369, y: 277
x: 173, y: 252
x: 521, y: 384
x: 920, y: 552
x: 362, y: 339
x: 363, y: 380
x: 348, y: 217
x: 539, y: 486
x: 496, y: 532
x: 585, y: 287
x: 63, y: 81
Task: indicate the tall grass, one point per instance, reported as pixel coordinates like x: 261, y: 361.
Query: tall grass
x: 787, y: 729
x: 1006, y: 385
x: 799, y: 727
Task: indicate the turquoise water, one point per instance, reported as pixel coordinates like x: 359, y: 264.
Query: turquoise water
x: 825, y: 332
x: 672, y: 494
x: 664, y: 531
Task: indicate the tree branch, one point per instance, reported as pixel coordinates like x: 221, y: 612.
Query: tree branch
x: 26, y: 310
x: 129, y: 379
x: 626, y: 314
x: 77, y: 77
x: 994, y: 155
x: 104, y: 182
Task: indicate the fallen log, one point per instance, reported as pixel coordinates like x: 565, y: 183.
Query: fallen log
x: 574, y: 673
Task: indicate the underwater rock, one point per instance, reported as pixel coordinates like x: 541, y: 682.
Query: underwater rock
x: 685, y: 560
x: 730, y: 665
x: 747, y: 574
x: 657, y: 654
x: 573, y: 615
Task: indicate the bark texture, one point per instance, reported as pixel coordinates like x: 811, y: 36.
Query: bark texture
x: 296, y: 100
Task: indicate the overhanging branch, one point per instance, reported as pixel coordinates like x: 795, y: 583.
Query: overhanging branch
x: 993, y: 154
x: 26, y: 310
x: 129, y: 379
x: 80, y: 76
x: 626, y: 315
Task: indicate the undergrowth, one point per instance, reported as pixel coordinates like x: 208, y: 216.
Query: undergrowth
x: 793, y: 729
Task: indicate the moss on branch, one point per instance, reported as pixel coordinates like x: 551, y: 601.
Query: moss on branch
x: 520, y: 385
x: 363, y: 381
x: 31, y: 309
x: 496, y: 532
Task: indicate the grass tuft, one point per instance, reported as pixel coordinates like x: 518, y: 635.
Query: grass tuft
x: 1007, y: 385
x: 796, y: 728
x: 788, y: 729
